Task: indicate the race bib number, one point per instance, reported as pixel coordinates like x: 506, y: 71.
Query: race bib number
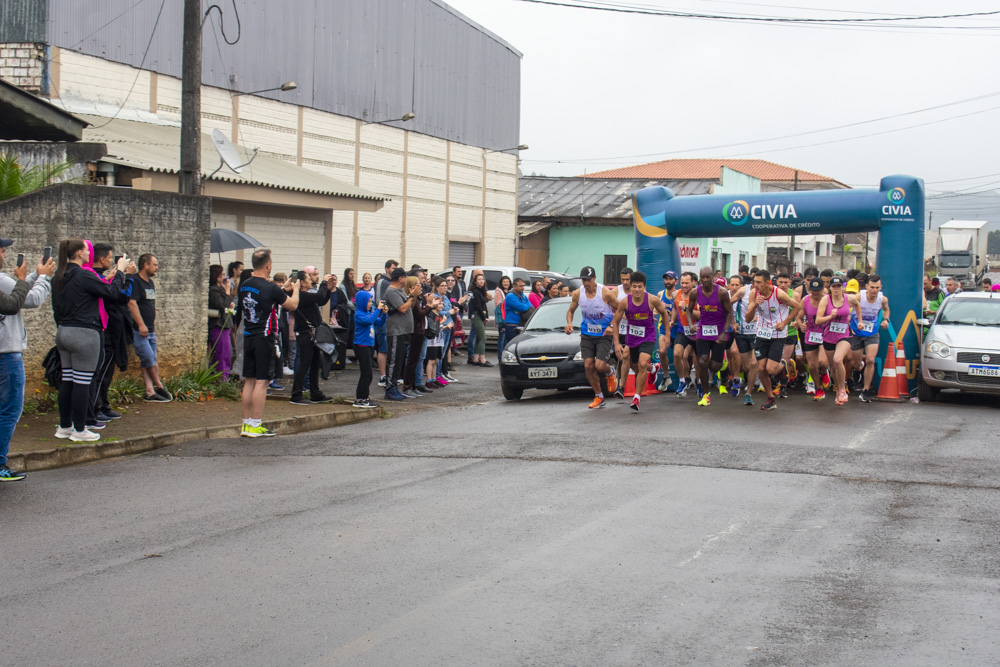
x: 749, y: 328
x: 594, y: 329
x: 798, y: 349
x: 636, y: 331
x: 623, y: 327
x: 815, y: 337
x: 767, y: 333
x: 709, y: 331
x: 867, y: 327
x: 691, y: 330
x: 838, y: 327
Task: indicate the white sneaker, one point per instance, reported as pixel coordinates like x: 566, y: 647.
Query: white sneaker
x: 84, y: 436
x: 63, y: 433
x: 287, y: 371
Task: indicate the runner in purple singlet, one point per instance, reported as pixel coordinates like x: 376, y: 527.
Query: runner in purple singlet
x: 640, y: 335
x: 713, y: 328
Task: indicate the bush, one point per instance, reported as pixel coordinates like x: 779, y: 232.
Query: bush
x: 202, y: 383
x: 41, y: 403
x: 126, y: 390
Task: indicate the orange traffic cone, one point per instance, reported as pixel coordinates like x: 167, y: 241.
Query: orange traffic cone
x: 629, y: 387
x: 902, y: 382
x: 888, y: 386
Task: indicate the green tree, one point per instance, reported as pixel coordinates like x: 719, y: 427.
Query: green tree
x: 16, y: 180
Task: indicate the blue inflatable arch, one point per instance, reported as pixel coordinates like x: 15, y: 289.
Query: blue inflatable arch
x: 895, y: 211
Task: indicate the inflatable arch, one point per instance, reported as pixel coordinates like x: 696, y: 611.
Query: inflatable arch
x: 895, y: 211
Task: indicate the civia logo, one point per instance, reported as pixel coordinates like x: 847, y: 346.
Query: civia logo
x: 738, y: 212
x: 897, y: 203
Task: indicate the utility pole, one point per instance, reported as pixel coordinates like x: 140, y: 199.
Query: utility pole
x: 791, y: 238
x: 189, y: 180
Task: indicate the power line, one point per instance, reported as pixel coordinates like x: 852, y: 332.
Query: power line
x: 970, y: 178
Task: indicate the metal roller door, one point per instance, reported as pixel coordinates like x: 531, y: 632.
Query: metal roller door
x: 461, y: 253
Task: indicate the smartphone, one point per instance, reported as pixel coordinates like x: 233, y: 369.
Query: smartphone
x: 116, y: 259
x: 20, y: 259
x: 46, y: 254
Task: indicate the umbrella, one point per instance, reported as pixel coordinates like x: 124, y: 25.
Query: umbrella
x: 225, y: 240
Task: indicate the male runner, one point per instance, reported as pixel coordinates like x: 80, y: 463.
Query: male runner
x: 784, y: 282
x: 772, y: 310
x: 812, y: 337
x: 598, y: 306
x: 865, y: 327
x: 638, y: 310
x: 686, y: 331
x: 624, y: 289
x: 713, y: 328
x: 746, y: 335
x: 664, y: 328
x: 734, y: 360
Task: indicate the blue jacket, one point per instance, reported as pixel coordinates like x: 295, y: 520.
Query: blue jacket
x: 515, y: 305
x: 365, y: 319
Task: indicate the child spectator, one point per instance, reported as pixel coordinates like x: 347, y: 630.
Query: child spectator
x: 366, y: 318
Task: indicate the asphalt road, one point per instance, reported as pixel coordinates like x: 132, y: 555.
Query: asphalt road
x: 482, y: 532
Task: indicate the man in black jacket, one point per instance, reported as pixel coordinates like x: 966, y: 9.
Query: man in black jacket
x: 308, y: 317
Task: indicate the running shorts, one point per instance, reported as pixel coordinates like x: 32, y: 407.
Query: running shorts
x: 745, y: 343
x: 709, y: 346
x: 791, y: 340
x: 596, y: 347
x: 859, y: 343
x: 769, y: 348
x: 811, y: 348
x: 644, y: 348
x: 258, y: 357
x: 683, y: 340
x: 830, y: 347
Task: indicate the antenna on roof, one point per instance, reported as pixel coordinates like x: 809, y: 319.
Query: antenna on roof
x: 228, y: 154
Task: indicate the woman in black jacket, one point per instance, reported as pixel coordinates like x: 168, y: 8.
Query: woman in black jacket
x: 76, y: 294
x: 307, y: 318
x: 479, y: 310
x: 222, y: 299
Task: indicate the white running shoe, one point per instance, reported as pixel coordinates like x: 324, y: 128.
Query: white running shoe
x: 84, y: 436
x: 64, y: 433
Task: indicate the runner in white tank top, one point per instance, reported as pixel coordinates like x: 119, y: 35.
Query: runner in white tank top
x: 598, y: 306
x: 865, y: 328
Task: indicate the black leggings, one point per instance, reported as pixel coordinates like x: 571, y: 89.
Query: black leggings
x: 364, y: 357
x: 309, y: 359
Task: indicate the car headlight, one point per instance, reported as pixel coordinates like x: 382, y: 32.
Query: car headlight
x: 508, y: 357
x: 578, y: 356
x: 939, y: 348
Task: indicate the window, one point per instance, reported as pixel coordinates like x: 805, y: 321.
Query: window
x: 715, y: 259
x: 461, y: 253
x: 613, y: 265
x: 725, y: 265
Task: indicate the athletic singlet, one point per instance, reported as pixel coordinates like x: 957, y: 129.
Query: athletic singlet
x: 768, y: 315
x: 837, y: 329
x: 681, y: 304
x: 668, y: 302
x: 712, y: 314
x: 623, y: 325
x: 814, y: 332
x: 641, y: 327
x: 792, y: 331
x: 871, y: 317
x: 746, y: 328
x: 597, y: 314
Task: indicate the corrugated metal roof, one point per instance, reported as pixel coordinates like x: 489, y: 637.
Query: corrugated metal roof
x: 709, y: 169
x: 154, y: 147
x: 543, y: 196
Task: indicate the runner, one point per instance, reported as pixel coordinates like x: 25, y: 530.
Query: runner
x: 640, y: 337
x: 865, y: 327
x: 713, y: 328
x: 686, y: 330
x: 598, y: 305
x: 784, y: 282
x: 812, y: 335
x: 746, y: 334
x: 772, y: 309
x: 664, y: 328
x: 834, y: 312
x: 624, y: 289
x: 734, y: 360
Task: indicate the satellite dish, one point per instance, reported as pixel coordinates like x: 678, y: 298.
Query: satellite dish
x: 227, y: 152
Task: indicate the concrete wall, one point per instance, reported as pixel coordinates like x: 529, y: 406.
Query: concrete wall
x: 175, y: 228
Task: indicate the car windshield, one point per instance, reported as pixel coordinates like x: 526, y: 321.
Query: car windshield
x: 955, y: 261
x: 971, y: 312
x: 551, y: 315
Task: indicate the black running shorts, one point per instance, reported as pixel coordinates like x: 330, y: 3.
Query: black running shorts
x: 258, y: 357
x: 769, y: 348
x: 745, y: 342
x: 644, y: 348
x: 709, y: 346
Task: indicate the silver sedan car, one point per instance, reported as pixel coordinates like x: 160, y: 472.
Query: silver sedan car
x: 961, y: 350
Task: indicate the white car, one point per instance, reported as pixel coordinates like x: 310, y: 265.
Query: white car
x: 961, y: 351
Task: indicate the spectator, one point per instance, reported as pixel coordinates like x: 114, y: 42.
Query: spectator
x: 933, y: 296
x: 307, y: 319
x: 142, y: 305
x: 448, y: 311
x: 552, y: 291
x: 458, y: 294
x: 479, y: 313
x: 564, y: 290
x: 470, y: 347
x: 257, y: 307
x: 222, y: 300
x: 398, y: 328
x: 537, y: 292
x: 367, y: 284
x: 76, y: 294
x: 234, y: 271
x: 435, y: 345
x: 953, y: 286
x: 22, y: 291
x: 987, y: 285
x: 115, y: 337
x: 516, y: 309
x: 420, y: 310
x: 347, y: 290
x: 285, y: 338
x: 499, y: 294
x: 366, y: 317
x: 381, y: 340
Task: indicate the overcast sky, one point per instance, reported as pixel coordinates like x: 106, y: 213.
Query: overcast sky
x: 603, y: 85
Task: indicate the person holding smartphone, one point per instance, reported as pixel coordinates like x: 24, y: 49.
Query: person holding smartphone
x: 21, y: 291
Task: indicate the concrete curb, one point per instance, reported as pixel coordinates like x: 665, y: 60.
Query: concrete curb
x: 87, y: 452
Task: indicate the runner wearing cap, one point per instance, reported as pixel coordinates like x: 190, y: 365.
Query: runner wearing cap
x: 664, y: 328
x: 773, y: 310
x: 790, y: 371
x: 834, y: 312
x: 746, y: 335
x: 812, y: 336
x: 713, y: 328
x: 854, y: 375
x: 598, y: 305
x: 686, y: 327
x: 639, y: 310
x: 624, y: 289
x: 871, y: 316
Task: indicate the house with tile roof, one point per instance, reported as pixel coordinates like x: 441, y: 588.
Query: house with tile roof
x: 773, y: 177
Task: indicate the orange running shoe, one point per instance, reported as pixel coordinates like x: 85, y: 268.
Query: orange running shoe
x: 598, y: 402
x: 819, y: 395
x: 612, y: 383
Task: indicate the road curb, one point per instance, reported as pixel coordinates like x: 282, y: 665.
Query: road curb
x: 49, y: 459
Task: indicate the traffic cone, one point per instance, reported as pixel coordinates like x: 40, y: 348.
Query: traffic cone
x: 888, y: 386
x: 902, y: 383
x: 629, y: 388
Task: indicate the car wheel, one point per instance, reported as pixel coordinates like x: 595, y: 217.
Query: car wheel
x: 927, y: 393
x: 511, y: 393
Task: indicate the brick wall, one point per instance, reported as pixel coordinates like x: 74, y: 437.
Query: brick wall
x: 173, y: 227
x: 23, y: 66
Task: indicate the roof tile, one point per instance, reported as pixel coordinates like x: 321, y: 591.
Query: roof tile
x: 709, y: 169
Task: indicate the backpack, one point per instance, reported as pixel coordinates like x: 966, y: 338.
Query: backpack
x: 53, y: 368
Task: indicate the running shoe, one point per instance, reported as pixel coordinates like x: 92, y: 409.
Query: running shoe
x: 783, y: 393
x: 112, y: 414
x: 423, y: 389
x: 706, y: 400
x: 651, y: 376
x: 63, y: 433
x: 155, y: 398
x: 441, y: 381
x: 663, y: 386
x: 864, y: 397
x: 409, y: 393
x: 394, y: 395
x: 734, y: 388
x: 95, y: 426
x: 819, y: 395
x: 257, y: 431
x: 682, y: 391
x: 776, y: 390
x: 366, y: 403
x: 8, y: 475
x: 612, y: 382
x: 162, y: 391
x: 723, y: 389
x: 448, y: 377
x: 701, y: 392
x: 747, y: 399
x: 598, y: 402
x: 792, y: 370
x: 620, y: 393
x: 825, y: 380
x: 810, y: 388
x: 681, y: 386
x: 841, y: 398
x: 319, y: 398
x: 299, y: 401
x: 760, y: 388
x: 383, y: 382
x: 84, y: 436
x: 635, y: 403
x: 769, y: 404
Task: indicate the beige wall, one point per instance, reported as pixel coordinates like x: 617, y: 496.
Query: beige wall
x: 440, y: 190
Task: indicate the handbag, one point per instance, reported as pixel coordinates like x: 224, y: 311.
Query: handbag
x: 53, y: 368
x: 433, y: 329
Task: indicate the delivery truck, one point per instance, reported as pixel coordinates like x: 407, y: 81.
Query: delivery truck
x: 962, y: 250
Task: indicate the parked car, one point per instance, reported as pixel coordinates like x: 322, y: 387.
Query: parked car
x: 962, y: 348
x: 493, y: 276
x: 543, y: 356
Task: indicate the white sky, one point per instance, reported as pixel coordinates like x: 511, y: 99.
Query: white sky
x: 598, y: 85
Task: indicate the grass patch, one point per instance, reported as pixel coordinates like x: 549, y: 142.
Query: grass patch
x: 41, y: 404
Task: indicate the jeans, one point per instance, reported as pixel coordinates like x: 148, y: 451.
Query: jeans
x: 473, y: 336
x: 11, y: 398
x: 501, y: 341
x: 422, y: 363
x: 145, y: 348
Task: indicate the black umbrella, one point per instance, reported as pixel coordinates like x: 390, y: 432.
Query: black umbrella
x: 226, y: 240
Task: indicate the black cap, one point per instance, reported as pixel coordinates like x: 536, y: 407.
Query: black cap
x: 815, y: 284
x: 4, y: 243
x: 587, y: 273
x: 836, y: 280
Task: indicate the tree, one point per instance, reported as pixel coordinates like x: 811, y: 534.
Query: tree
x: 16, y: 180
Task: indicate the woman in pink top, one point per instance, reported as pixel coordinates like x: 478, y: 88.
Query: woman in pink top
x: 812, y: 337
x: 834, y: 312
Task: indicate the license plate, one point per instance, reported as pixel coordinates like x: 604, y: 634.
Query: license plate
x: 542, y: 373
x: 988, y: 371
